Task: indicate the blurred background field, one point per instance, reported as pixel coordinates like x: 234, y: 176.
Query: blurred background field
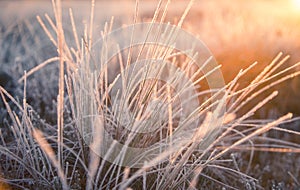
x: 238, y: 32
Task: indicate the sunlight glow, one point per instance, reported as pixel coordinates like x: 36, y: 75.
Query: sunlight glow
x: 296, y: 4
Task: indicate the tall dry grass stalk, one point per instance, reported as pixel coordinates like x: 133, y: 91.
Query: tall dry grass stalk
x: 61, y: 89
x: 86, y: 153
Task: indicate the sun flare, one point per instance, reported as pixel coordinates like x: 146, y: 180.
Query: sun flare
x: 296, y: 4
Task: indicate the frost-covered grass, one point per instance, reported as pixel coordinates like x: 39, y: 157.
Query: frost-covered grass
x: 46, y: 115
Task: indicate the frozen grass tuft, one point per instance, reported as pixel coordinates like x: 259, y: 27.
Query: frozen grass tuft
x: 101, y: 105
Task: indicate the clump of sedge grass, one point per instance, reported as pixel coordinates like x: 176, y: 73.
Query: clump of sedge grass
x: 68, y: 156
